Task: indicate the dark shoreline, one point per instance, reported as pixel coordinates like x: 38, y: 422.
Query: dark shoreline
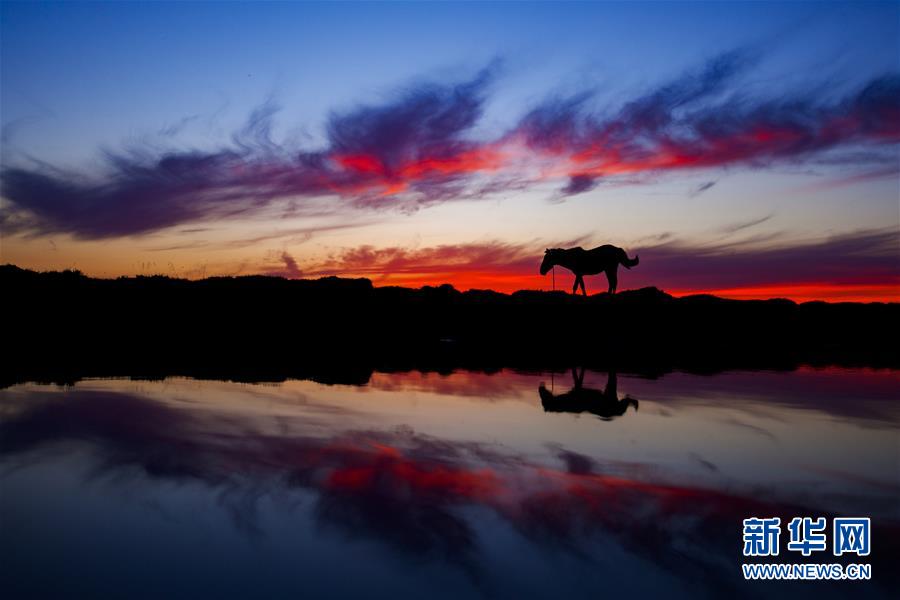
x: 61, y: 326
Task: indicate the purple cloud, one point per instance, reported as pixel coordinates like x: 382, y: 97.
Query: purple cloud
x: 411, y: 144
x: 701, y: 121
x: 860, y: 258
x: 416, y: 149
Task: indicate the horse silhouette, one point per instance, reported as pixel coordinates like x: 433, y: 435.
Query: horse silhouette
x: 602, y: 403
x: 583, y: 262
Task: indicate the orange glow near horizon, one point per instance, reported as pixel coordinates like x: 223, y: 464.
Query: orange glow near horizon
x: 512, y: 282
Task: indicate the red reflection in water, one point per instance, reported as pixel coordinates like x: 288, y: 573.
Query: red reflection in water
x: 397, y: 486
x: 373, y: 467
x: 386, y: 466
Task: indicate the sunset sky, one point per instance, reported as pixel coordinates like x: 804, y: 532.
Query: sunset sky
x: 745, y: 149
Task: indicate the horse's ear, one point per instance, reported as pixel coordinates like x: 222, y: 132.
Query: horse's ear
x: 547, y: 251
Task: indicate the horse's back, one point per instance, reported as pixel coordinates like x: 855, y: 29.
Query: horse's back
x: 606, y: 252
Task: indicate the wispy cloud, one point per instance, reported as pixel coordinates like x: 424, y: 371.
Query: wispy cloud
x: 702, y: 120
x: 290, y: 269
x: 742, y: 225
x: 418, y: 148
x: 454, y: 261
x: 701, y: 188
x: 859, y: 258
x: 411, y: 145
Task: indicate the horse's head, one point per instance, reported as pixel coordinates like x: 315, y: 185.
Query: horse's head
x: 547, y: 397
x: 549, y: 260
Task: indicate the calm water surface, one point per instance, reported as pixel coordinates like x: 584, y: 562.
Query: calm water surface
x: 505, y: 485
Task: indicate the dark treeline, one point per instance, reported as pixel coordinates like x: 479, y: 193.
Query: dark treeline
x: 60, y: 326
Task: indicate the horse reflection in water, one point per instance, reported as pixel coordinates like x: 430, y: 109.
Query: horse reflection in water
x: 603, y: 403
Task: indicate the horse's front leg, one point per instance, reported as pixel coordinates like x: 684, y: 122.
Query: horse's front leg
x: 579, y: 282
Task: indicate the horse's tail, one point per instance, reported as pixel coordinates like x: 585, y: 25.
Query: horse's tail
x: 628, y: 262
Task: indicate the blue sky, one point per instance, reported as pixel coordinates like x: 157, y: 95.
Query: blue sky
x: 82, y: 75
x: 86, y: 85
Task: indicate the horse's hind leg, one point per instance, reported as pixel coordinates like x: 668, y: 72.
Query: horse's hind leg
x: 613, y: 278
x: 581, y: 283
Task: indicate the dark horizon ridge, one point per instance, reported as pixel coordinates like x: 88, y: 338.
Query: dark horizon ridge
x: 10, y: 270
x: 61, y: 326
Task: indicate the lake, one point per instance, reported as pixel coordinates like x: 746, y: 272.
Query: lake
x: 502, y: 484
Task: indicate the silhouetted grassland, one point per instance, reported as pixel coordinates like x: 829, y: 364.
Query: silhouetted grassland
x: 60, y: 325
